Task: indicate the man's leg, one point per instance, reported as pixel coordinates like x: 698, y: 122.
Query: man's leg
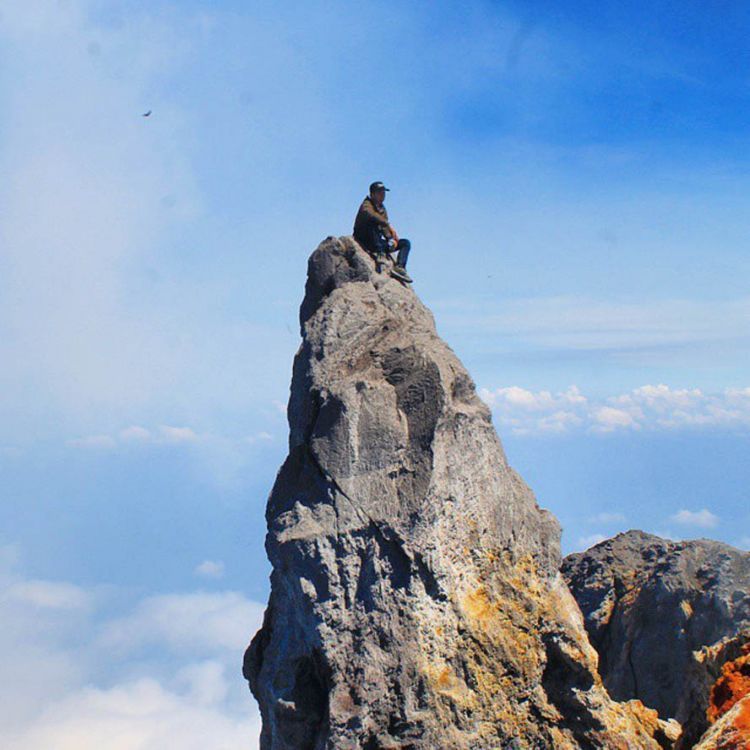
x: 380, y: 244
x: 403, y: 248
x: 399, y: 271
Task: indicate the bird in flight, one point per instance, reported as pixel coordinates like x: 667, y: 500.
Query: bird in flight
x: 147, y: 114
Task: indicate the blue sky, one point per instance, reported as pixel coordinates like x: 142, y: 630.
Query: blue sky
x: 573, y: 178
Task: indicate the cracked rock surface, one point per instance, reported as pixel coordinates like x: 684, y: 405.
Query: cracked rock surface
x: 649, y: 603
x: 415, y: 599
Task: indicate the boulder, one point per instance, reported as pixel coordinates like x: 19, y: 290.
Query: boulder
x: 649, y: 603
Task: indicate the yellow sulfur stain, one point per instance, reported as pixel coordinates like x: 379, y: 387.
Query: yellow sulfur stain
x: 476, y: 604
x: 446, y: 683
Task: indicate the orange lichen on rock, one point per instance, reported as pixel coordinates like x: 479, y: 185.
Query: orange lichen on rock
x: 666, y: 731
x: 731, y: 731
x: 742, y: 720
x: 731, y: 687
x: 477, y: 604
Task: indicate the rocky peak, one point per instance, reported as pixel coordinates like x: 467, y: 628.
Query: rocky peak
x: 415, y: 594
x: 649, y: 603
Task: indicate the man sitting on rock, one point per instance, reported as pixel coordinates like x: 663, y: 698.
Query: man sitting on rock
x: 374, y: 233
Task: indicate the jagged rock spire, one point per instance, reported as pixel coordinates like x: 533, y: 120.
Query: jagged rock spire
x: 415, y: 599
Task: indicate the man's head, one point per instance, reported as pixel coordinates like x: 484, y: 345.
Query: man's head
x: 378, y: 191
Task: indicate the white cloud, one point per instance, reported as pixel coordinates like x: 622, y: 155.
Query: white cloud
x: 210, y: 569
x: 527, y: 411
x: 75, y: 680
x: 607, y: 419
x: 135, y: 433
x: 744, y: 543
x: 649, y: 407
x: 515, y: 396
x: 205, y: 681
x: 259, y: 437
x: 703, y: 519
x: 558, y: 421
x: 662, y: 396
x: 184, y: 622
x: 138, y: 715
x: 163, y: 435
x: 177, y: 434
x: 49, y: 594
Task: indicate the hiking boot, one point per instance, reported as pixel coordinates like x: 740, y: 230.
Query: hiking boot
x: 399, y: 272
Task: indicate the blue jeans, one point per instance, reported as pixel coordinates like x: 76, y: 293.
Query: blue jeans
x: 403, y: 248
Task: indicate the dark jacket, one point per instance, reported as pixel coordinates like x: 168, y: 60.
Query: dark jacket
x: 371, y: 222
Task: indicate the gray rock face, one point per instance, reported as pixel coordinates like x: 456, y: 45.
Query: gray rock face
x: 648, y: 603
x: 415, y: 595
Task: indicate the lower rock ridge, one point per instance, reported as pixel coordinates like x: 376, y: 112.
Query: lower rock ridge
x: 415, y: 596
x: 649, y: 603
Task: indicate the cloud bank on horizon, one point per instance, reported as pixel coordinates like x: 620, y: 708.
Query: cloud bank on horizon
x: 98, y: 667
x: 650, y: 407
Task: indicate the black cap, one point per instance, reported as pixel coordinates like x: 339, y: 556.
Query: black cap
x: 377, y: 186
